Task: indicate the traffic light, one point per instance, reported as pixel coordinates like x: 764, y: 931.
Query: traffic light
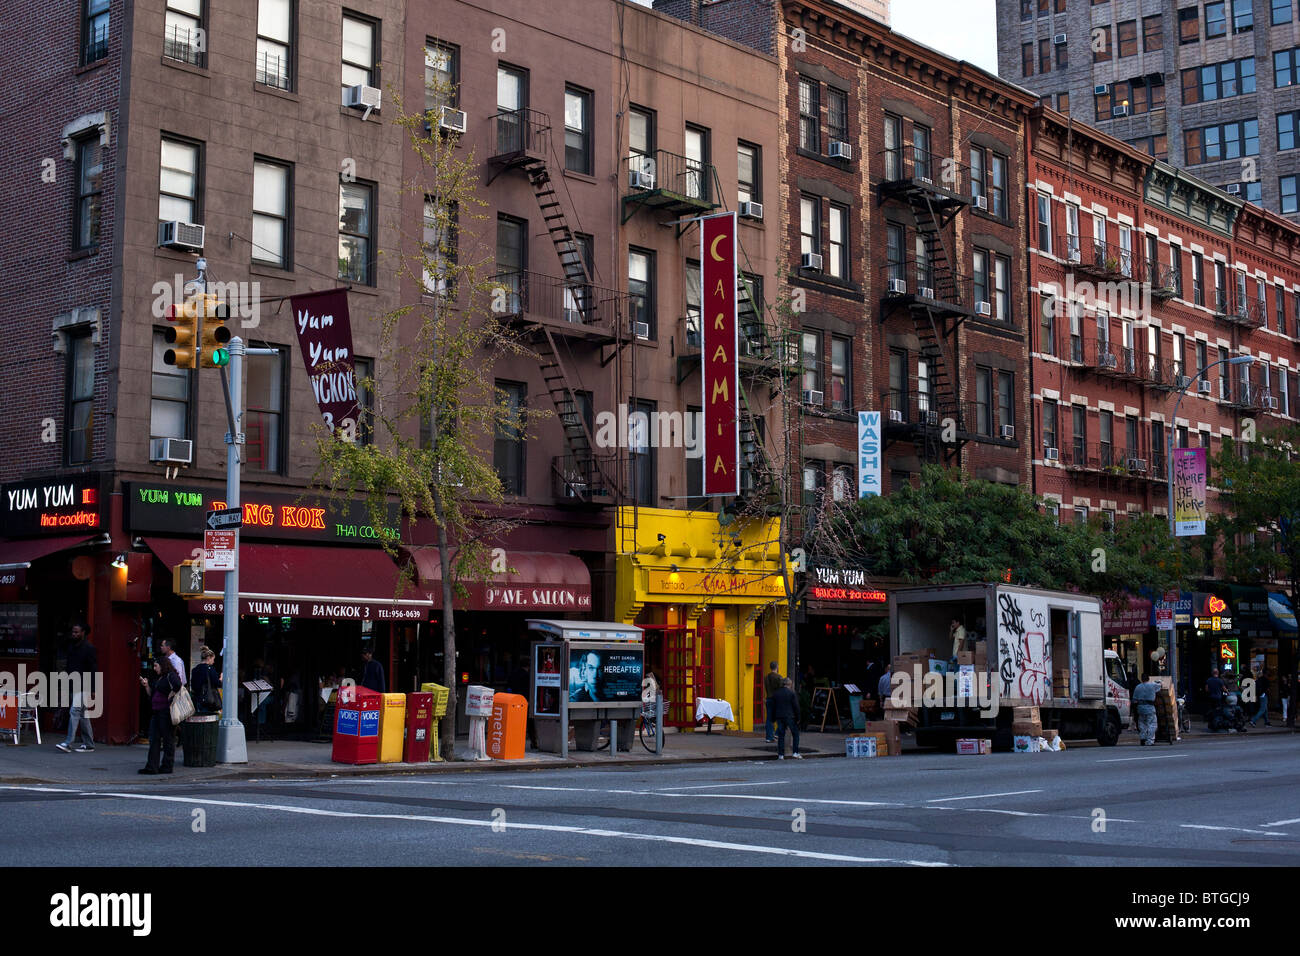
x: 214, y: 353
x: 183, y: 334
x: 187, y: 579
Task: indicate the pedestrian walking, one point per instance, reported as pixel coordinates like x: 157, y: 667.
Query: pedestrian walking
x: 1261, y: 694
x: 206, y: 683
x: 1284, y: 695
x: 1144, y: 702
x: 83, y: 661
x: 772, y: 682
x: 785, y: 711
x: 372, y: 676
x: 162, y: 736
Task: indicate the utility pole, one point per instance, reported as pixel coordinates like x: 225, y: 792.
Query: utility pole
x: 231, y: 743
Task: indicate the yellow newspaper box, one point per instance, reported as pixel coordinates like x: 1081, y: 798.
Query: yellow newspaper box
x: 392, y: 728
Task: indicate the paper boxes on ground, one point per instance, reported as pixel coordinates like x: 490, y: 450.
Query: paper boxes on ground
x: 887, y: 733
x: 974, y: 746
x: 860, y: 746
x: 1024, y: 744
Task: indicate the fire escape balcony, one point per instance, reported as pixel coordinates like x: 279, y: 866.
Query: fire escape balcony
x: 522, y: 140
x: 924, y: 178
x: 1166, y: 375
x: 1245, y: 311
x: 1162, y: 279
x: 1249, y: 397
x: 922, y: 288
x: 668, y: 183
x: 574, y: 311
x: 1100, y: 260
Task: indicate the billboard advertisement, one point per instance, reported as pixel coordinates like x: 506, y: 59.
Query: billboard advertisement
x: 604, y: 674
x: 1189, y: 492
x: 547, y: 679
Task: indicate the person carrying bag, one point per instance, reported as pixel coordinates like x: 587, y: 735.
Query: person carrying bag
x: 206, y: 683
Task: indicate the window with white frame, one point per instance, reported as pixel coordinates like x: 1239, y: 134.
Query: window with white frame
x: 274, y: 39
x: 271, y: 186
x: 178, y: 185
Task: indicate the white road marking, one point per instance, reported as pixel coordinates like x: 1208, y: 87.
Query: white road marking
x: 1199, y: 826
x: 458, y: 821
x: 711, y: 786
x: 708, y: 796
x: 982, y: 796
x: 1126, y: 759
x: 1281, y: 823
x: 1025, y: 813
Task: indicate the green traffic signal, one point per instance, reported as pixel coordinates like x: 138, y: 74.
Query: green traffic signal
x: 219, y: 358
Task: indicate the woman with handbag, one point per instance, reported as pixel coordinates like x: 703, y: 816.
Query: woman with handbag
x: 166, y: 682
x: 206, y: 683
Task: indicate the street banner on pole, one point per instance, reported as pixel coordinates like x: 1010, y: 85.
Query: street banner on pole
x: 868, y: 454
x: 325, y: 334
x: 719, y: 355
x: 1189, y: 492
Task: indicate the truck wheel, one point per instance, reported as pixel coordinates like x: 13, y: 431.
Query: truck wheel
x: 1108, y: 735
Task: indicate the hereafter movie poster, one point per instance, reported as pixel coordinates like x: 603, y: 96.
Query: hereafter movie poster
x: 605, y: 676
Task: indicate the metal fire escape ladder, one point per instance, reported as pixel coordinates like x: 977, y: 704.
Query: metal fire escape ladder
x: 933, y: 331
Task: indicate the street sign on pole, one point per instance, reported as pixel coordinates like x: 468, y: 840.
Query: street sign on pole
x: 228, y: 518
x: 220, y: 549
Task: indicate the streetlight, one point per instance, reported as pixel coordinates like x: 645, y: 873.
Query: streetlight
x: 1169, y: 479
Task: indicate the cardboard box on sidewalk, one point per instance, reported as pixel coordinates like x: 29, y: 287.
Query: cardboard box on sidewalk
x: 889, y: 733
x: 1024, y: 744
x: 974, y: 746
x: 861, y: 745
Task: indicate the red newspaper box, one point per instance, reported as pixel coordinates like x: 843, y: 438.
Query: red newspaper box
x: 419, y: 723
x: 507, y: 726
x: 356, y: 726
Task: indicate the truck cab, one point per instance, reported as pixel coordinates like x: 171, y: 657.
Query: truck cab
x: 1117, y: 682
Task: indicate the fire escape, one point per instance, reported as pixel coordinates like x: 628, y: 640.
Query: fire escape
x: 560, y: 316
x: 937, y: 297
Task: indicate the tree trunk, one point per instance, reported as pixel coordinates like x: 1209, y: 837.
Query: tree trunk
x: 447, y: 733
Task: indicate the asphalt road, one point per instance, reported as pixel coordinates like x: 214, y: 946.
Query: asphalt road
x: 1228, y: 802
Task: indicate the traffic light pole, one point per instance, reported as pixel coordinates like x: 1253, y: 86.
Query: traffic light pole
x: 232, y: 746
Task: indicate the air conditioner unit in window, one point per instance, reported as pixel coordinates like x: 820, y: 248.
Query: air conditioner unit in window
x: 926, y: 292
x: 751, y: 210
x: 898, y: 287
x: 641, y: 330
x: 926, y: 179
x: 984, y: 308
x: 1051, y: 454
x: 1058, y: 39
x: 839, y: 150
x: 1137, y: 464
x: 180, y: 235
x: 171, y: 451
x: 895, y: 415
x: 981, y: 203
x: 453, y: 120
x: 745, y: 346
x: 641, y: 179
x: 1182, y: 381
x: 932, y: 418
x: 1270, y: 403
x: 1117, y: 111
x: 1233, y: 189
x: 811, y: 260
x: 1205, y: 388
x: 1101, y: 90
x: 812, y: 396
x: 1008, y: 432
x: 363, y: 97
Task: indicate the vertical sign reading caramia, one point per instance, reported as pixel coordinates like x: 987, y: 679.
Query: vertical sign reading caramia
x: 1189, y: 492
x: 721, y: 392
x: 325, y: 334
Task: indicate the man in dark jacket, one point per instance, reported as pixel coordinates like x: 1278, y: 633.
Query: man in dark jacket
x: 771, y: 684
x: 373, y: 674
x: 785, y: 712
x: 84, y: 662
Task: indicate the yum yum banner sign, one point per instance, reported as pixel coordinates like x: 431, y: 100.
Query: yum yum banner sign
x: 325, y: 334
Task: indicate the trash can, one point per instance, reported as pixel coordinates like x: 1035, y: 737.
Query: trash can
x: 356, y: 726
x: 199, y: 740
x: 419, y: 721
x: 392, y: 726
x: 506, y: 728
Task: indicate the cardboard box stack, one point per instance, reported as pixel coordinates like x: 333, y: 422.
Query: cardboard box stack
x: 1061, y: 683
x: 887, y: 734
x: 1166, y: 705
x: 862, y: 745
x: 1026, y: 722
x: 974, y: 746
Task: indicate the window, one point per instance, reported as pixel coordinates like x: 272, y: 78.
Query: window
x: 1106, y: 438
x: 579, y: 297
x: 271, y: 186
x: 1223, y: 372
x: 641, y: 288
x: 1202, y: 356
x: 1002, y: 288
x: 274, y: 36
x: 169, y: 409
x: 512, y: 99
x: 1100, y: 50
x: 1072, y: 244
x: 1220, y: 286
x: 1062, y: 55
x: 1063, y: 103
x: 694, y: 466
x: 265, y: 431
x: 921, y: 155
x: 977, y: 174
x: 748, y: 166
x: 94, y: 30
x: 1157, y: 448
x: 509, y: 452
x: 812, y: 361
x: 1219, y: 81
x: 512, y: 261
x: 1284, y: 67
x: 79, y: 411
x: 1279, y: 299
x: 441, y: 77
x: 439, y: 242
x: 844, y: 483
x: 983, y: 401
x: 1216, y: 20
x: 90, y: 170
x: 837, y: 115
x: 1049, y: 423
x: 1076, y: 331
x: 697, y: 157
x: 998, y: 186
x: 814, y: 483
x: 694, y: 304
x: 1286, y: 129
x: 1045, y: 223
x: 810, y: 225
x: 1127, y: 35
x: 838, y: 248
x: 1180, y: 355
x: 895, y: 243
x: 1026, y: 9
x: 981, y: 276
x: 363, y: 369
x: 752, y: 464
x: 1153, y: 35
x: 1131, y: 446
x: 924, y: 264
x: 1211, y: 144
x: 924, y: 385
x: 1046, y: 324
x: 641, y: 140
x: 1198, y: 279
x: 898, y: 382
x: 356, y: 232
x: 1283, y: 393
x: 182, y: 31
x: 577, y: 130
x: 1287, y: 185
x: 893, y: 138
x: 1045, y: 55
x: 178, y: 186
x: 1281, y: 12
x: 360, y: 66
x: 841, y: 394
x: 1079, y: 439
x: 642, y: 453
x: 1027, y: 59
x: 1157, y: 146
x: 1189, y: 25
x: 1243, y: 16
x: 1006, y: 404
x: 809, y: 115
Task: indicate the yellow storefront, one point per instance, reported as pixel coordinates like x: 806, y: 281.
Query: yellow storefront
x: 712, y: 600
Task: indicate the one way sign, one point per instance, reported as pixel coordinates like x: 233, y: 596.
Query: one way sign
x: 229, y: 518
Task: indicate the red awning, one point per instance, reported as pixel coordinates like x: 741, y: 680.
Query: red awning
x: 295, y: 580
x: 21, y: 554
x: 541, y: 581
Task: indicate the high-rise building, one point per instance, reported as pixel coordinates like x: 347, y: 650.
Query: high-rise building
x: 1213, y: 88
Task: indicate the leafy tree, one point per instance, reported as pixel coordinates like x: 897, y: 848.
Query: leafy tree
x: 1259, y: 527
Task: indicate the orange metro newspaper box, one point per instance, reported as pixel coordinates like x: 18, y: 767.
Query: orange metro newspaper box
x: 507, y: 727
x: 419, y: 724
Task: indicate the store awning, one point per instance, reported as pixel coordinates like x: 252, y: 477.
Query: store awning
x: 1281, y: 614
x: 537, y: 581
x: 16, y: 557
x: 295, y: 580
